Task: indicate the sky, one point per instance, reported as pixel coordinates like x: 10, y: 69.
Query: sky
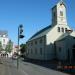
x: 32, y: 14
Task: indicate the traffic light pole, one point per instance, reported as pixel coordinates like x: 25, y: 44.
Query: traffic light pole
x: 20, y: 36
x: 18, y: 50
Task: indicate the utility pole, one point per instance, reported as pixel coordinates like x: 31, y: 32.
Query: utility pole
x: 20, y: 36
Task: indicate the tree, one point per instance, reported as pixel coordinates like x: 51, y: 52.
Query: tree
x: 1, y: 48
x: 9, y: 46
x: 23, y: 48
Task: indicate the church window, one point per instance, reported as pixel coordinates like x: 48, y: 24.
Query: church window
x: 31, y: 51
x: 28, y: 51
x: 73, y: 46
x: 35, y: 42
x: 31, y: 43
x: 59, y: 49
x: 62, y: 29
x: 41, y: 51
x: 35, y: 50
x: 73, y: 37
x: 58, y: 29
x: 41, y: 40
x: 54, y: 14
x: 61, y: 13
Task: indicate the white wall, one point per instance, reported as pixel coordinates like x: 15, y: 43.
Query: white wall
x: 37, y: 47
x: 51, y: 37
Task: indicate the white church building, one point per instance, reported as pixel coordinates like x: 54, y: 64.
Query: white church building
x: 56, y: 41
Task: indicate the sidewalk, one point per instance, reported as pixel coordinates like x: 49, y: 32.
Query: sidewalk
x: 8, y: 68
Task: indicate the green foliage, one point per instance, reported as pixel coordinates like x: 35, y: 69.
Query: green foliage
x: 23, y: 48
x: 9, y: 46
x: 1, y: 46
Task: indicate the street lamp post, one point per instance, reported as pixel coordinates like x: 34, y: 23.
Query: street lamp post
x: 20, y: 36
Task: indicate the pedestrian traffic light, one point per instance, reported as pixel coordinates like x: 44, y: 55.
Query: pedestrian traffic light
x: 21, y: 31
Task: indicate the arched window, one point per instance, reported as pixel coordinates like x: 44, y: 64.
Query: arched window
x: 58, y: 29
x: 62, y: 29
x: 61, y: 13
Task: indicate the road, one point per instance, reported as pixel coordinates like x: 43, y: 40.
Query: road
x: 8, y: 67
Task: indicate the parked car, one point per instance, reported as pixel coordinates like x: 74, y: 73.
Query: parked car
x: 14, y: 57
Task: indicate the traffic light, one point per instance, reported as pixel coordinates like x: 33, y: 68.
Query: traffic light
x: 21, y: 31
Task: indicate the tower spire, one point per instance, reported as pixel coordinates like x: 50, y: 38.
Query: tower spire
x: 61, y: 0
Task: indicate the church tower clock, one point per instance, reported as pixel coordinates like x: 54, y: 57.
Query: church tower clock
x: 59, y: 14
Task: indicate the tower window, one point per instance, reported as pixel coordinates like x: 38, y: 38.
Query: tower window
x: 61, y: 13
x: 62, y: 29
x: 58, y: 29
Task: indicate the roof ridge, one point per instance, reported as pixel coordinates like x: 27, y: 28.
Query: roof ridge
x: 40, y: 31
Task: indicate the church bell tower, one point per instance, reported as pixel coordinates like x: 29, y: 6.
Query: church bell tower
x: 59, y: 14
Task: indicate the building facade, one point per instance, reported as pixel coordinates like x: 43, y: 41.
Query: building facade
x: 4, y: 43
x: 4, y: 38
x: 42, y: 45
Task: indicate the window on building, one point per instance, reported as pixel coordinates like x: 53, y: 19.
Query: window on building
x: 59, y: 49
x: 41, y: 40
x: 1, y: 35
x: 28, y: 43
x: 61, y: 13
x: 58, y: 29
x: 31, y: 43
x: 28, y: 51
x: 62, y: 29
x: 73, y: 37
x: 35, y: 50
x: 35, y: 42
x: 3, y: 40
x: 41, y: 51
x: 54, y: 14
x: 74, y: 46
x: 31, y: 51
x: 4, y: 35
x: 65, y: 29
x: 4, y: 45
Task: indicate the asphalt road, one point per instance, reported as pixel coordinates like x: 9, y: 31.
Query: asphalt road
x: 8, y: 67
